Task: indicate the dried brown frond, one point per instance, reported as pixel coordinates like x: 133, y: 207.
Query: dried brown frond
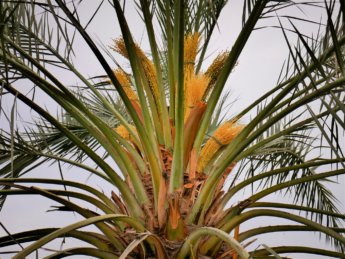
x: 119, y: 203
x: 162, y: 196
x: 175, y: 225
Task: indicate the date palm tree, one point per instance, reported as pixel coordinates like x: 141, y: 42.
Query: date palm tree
x: 184, y: 177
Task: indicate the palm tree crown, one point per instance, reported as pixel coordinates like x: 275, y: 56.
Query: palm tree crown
x: 152, y: 127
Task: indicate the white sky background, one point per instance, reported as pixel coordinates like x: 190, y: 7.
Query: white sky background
x: 257, y: 71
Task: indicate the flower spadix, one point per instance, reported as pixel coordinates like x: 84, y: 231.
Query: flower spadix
x: 222, y: 136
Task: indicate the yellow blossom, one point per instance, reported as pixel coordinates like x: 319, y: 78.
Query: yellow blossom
x: 196, y: 87
x: 221, y: 137
x: 148, y: 67
x: 124, y: 133
x: 215, y: 68
x: 191, y: 42
x: 123, y: 79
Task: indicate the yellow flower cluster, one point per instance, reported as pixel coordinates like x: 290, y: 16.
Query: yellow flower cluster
x: 196, y: 86
x: 123, y: 79
x: 149, y: 69
x: 215, y: 68
x: 120, y: 47
x: 124, y: 133
x: 222, y: 136
x: 191, y: 43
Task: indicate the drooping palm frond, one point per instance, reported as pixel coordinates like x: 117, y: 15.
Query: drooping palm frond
x: 161, y: 122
